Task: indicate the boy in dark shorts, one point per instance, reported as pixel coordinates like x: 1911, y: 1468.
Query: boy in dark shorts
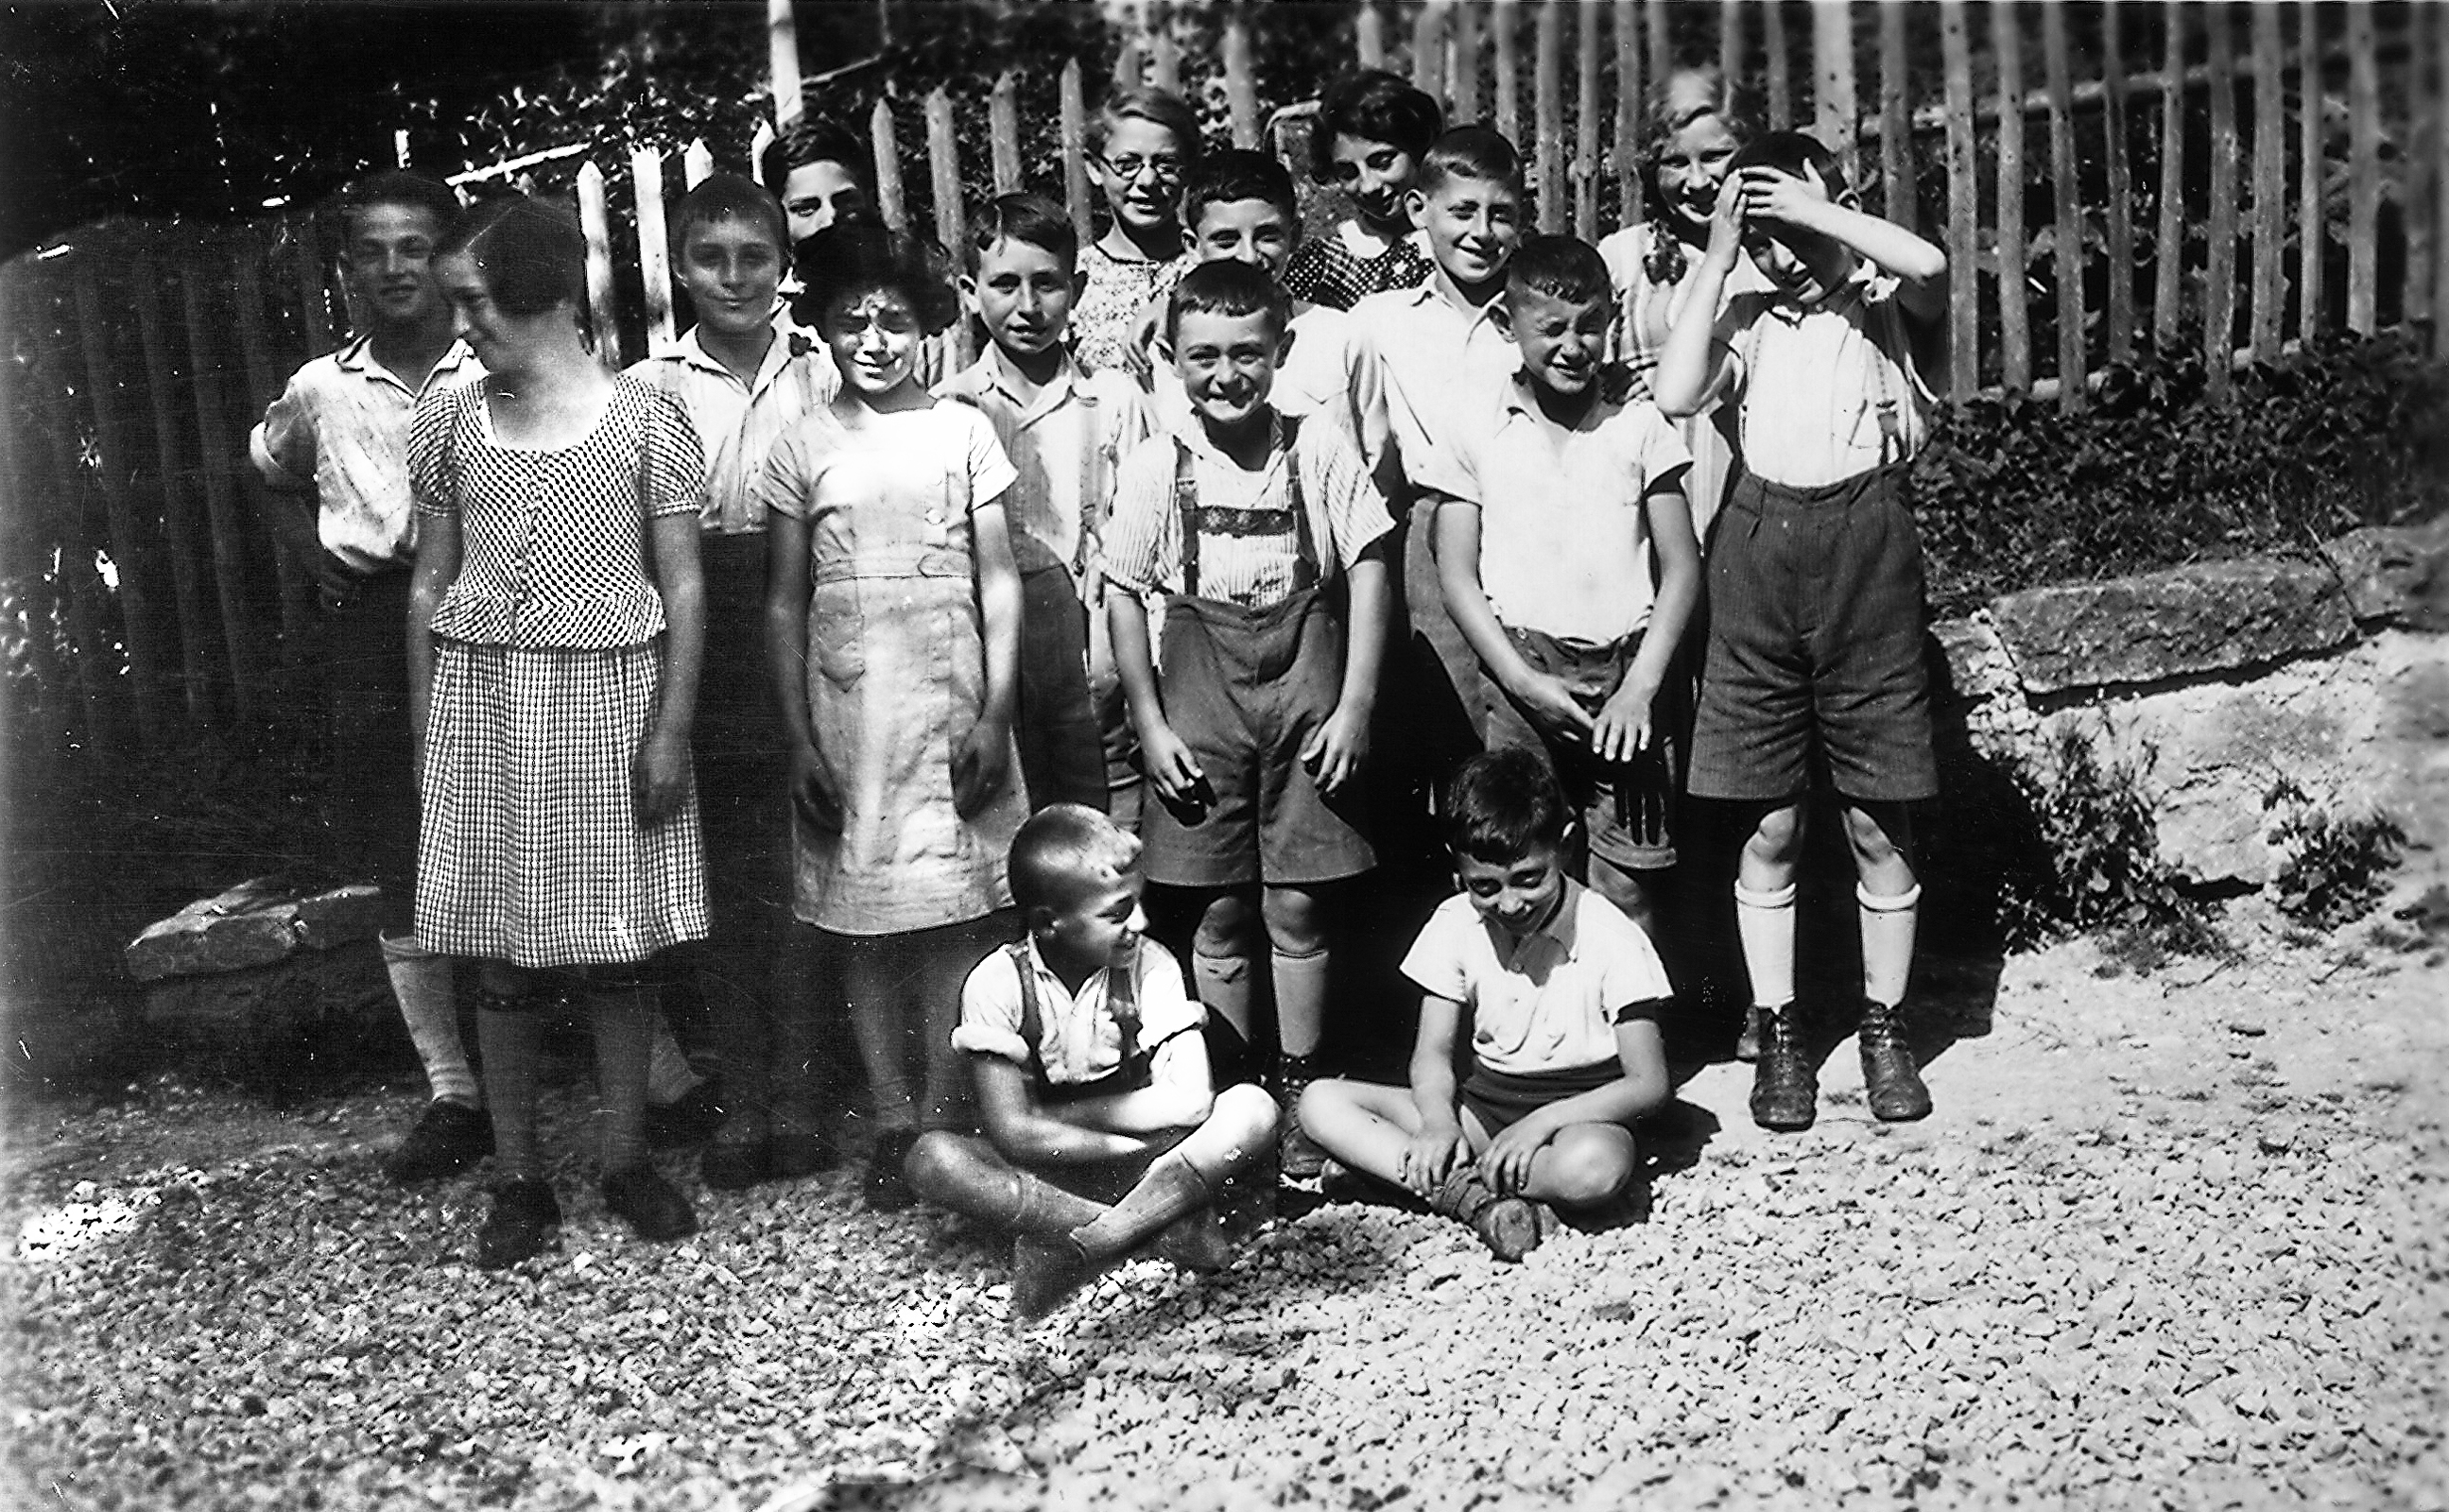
x: 1258, y: 533
x: 1815, y: 581
x: 1560, y: 499
x: 1563, y: 993
x: 1092, y: 1081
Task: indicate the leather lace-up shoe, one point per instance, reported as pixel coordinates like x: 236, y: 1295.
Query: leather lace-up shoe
x: 1891, y: 1082
x: 1785, y: 1085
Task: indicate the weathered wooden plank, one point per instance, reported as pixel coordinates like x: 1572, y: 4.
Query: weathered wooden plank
x: 2364, y: 169
x: 783, y: 62
x: 2219, y: 272
x: 696, y: 164
x: 1241, y: 78
x: 1833, y: 105
x: 143, y: 627
x: 200, y: 680
x: 2440, y: 149
x: 1504, y: 28
x: 1547, y: 93
x: 1165, y: 50
x: 2120, y: 218
x: 595, y: 218
x: 2169, y: 255
x: 1428, y: 50
x: 110, y: 714
x: 1369, y: 36
x: 1778, y: 54
x: 264, y: 382
x: 1586, y: 122
x: 1076, y: 153
x: 1629, y: 89
x: 1963, y: 207
x: 1463, y: 60
x: 1003, y: 131
x: 313, y: 296
x: 2312, y: 216
x: 885, y: 143
x: 654, y: 243
x: 1662, y: 49
x: 241, y: 638
x: 1731, y: 39
x: 2269, y: 184
x: 2066, y: 211
x: 758, y: 143
x: 2422, y: 189
x: 1897, y: 187
x: 951, y: 219
x: 2015, y: 331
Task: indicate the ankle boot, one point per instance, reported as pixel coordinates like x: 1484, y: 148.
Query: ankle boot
x: 1298, y: 1156
x: 1509, y: 1226
x: 1046, y: 1270
x: 1891, y: 1080
x: 1785, y: 1085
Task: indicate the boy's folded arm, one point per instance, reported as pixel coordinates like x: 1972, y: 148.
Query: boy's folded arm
x: 1027, y: 1134
x: 1179, y: 1096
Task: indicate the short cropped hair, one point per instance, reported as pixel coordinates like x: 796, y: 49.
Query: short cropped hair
x: 532, y: 255
x: 1792, y: 152
x: 730, y: 197
x: 412, y: 191
x: 1062, y: 844
x: 849, y: 259
x: 1161, y: 107
x: 1227, y: 287
x: 1563, y: 268
x: 1234, y: 175
x: 807, y: 141
x: 1470, y: 152
x: 1501, y: 804
x: 1031, y: 217
x: 1372, y: 106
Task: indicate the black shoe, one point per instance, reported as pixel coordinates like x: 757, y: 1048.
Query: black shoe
x: 888, y: 1190
x: 690, y: 1119
x: 1747, y: 1039
x: 449, y: 1138
x: 519, y: 1225
x: 1785, y: 1085
x: 1890, y: 1078
x: 792, y: 1155
x: 648, y: 1204
x: 729, y: 1166
x: 1045, y: 1273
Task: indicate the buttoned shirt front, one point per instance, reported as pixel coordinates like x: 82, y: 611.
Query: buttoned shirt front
x: 1810, y: 383
x: 1563, y: 536
x: 1550, y: 1000
x: 1078, y: 1039
x: 738, y: 422
x: 1416, y: 366
x: 342, y: 426
x: 1065, y: 442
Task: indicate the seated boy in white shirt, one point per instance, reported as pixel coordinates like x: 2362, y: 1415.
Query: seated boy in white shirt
x: 1092, y: 1079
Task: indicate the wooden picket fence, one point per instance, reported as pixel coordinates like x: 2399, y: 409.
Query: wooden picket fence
x: 2214, y: 209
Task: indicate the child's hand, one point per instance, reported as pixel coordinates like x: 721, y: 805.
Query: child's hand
x: 1429, y: 1158
x: 1776, y: 197
x: 1623, y: 729
x: 1335, y: 749
x: 981, y: 765
x: 1726, y: 229
x: 1506, y: 1163
x: 659, y: 777
x: 1552, y: 707
x: 1170, y: 766
x: 814, y: 789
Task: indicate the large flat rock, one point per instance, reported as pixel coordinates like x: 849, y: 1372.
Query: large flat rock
x: 257, y: 922
x: 2395, y: 574
x: 2161, y: 627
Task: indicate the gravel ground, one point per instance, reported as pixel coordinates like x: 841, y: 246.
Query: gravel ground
x: 2180, y: 1240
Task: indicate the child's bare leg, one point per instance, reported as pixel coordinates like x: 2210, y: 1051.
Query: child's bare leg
x: 966, y: 1173
x: 1586, y: 1165
x: 1887, y: 901
x: 1363, y: 1124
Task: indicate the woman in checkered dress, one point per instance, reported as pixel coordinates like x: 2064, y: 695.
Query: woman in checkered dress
x: 557, y: 620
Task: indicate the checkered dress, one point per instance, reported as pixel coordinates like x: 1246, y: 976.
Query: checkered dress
x: 548, y: 666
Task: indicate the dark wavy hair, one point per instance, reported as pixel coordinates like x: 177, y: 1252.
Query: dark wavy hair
x: 809, y: 140
x: 1030, y: 218
x: 1470, y: 152
x: 850, y: 259
x: 1227, y: 287
x: 1502, y: 803
x: 1234, y: 175
x: 1372, y: 106
x: 1563, y: 268
x: 729, y: 197
x: 412, y: 191
x: 532, y: 255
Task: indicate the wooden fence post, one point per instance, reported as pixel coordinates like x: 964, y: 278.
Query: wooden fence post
x: 264, y: 383
x: 1963, y: 208
x: 944, y: 176
x: 654, y: 245
x: 1076, y: 153
x: 1731, y: 39
x: 2440, y: 149
x: 2170, y: 258
x: 178, y: 526
x: 1369, y: 36
x: 1662, y: 47
x: 1898, y: 191
x: 141, y: 624
x: 1241, y: 78
x: 1780, y: 64
x: 1164, y: 52
x: 757, y: 145
x: 240, y: 632
x: 783, y: 60
x: 2422, y: 189
x: 2219, y: 290
x: 696, y: 164
x: 1462, y: 79
x: 1586, y: 125
x: 106, y: 696
x: 1505, y: 31
x: 1003, y: 131
x: 2014, y: 335
x: 2313, y: 222
x: 1548, y: 95
x: 597, y: 222
x: 2119, y: 219
x: 1832, y: 71
x: 886, y: 148
x: 1428, y: 34
x: 2269, y: 183
x: 314, y: 299
x: 2364, y: 169
x: 1628, y: 92
x: 2066, y: 213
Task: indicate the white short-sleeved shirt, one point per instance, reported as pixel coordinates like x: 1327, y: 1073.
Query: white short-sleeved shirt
x: 342, y: 425
x: 738, y: 422
x: 1144, y: 540
x: 1078, y: 1039
x: 1066, y: 443
x: 1809, y: 382
x: 1563, y: 541
x: 1551, y: 1001
x: 1417, y: 366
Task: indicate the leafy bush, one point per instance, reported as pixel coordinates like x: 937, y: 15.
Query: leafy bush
x: 2014, y: 494
x: 2332, y: 868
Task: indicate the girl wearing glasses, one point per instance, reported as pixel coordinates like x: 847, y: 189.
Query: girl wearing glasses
x: 1140, y: 145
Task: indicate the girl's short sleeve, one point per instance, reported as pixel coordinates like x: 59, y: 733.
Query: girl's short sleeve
x: 989, y: 467
x: 674, y: 468
x: 790, y: 476
x: 433, y: 481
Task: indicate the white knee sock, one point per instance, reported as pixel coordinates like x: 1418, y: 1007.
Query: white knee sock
x: 1888, y: 924
x: 1301, y: 1001
x: 421, y: 982
x: 1224, y: 985
x: 1765, y: 921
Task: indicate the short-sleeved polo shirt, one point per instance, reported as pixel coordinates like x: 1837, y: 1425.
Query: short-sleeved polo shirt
x: 1078, y: 1039
x: 1552, y: 1000
x: 739, y: 422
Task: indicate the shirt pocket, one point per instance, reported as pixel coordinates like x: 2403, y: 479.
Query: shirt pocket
x: 838, y: 632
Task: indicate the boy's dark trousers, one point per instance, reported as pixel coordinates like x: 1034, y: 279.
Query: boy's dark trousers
x: 358, y: 648
x: 1062, y: 748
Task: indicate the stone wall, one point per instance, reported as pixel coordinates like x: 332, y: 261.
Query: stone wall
x: 2217, y: 681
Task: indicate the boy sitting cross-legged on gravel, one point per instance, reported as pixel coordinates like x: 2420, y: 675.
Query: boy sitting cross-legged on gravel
x: 1091, y: 1079
x: 1563, y: 993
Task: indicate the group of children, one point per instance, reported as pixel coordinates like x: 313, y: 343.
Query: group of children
x: 1221, y: 531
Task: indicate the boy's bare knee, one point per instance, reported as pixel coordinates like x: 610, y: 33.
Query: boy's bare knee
x: 1328, y: 1099
x: 1243, y: 1113
x: 1777, y: 835
x: 937, y: 1161
x: 1879, y: 835
x: 1295, y: 920
x: 1588, y: 1166
x: 1224, y: 926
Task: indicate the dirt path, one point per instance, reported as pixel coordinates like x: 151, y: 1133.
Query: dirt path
x: 2169, y: 1240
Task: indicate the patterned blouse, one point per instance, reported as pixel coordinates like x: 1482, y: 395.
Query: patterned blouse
x: 554, y: 543
x: 1326, y: 271
x: 1108, y: 314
